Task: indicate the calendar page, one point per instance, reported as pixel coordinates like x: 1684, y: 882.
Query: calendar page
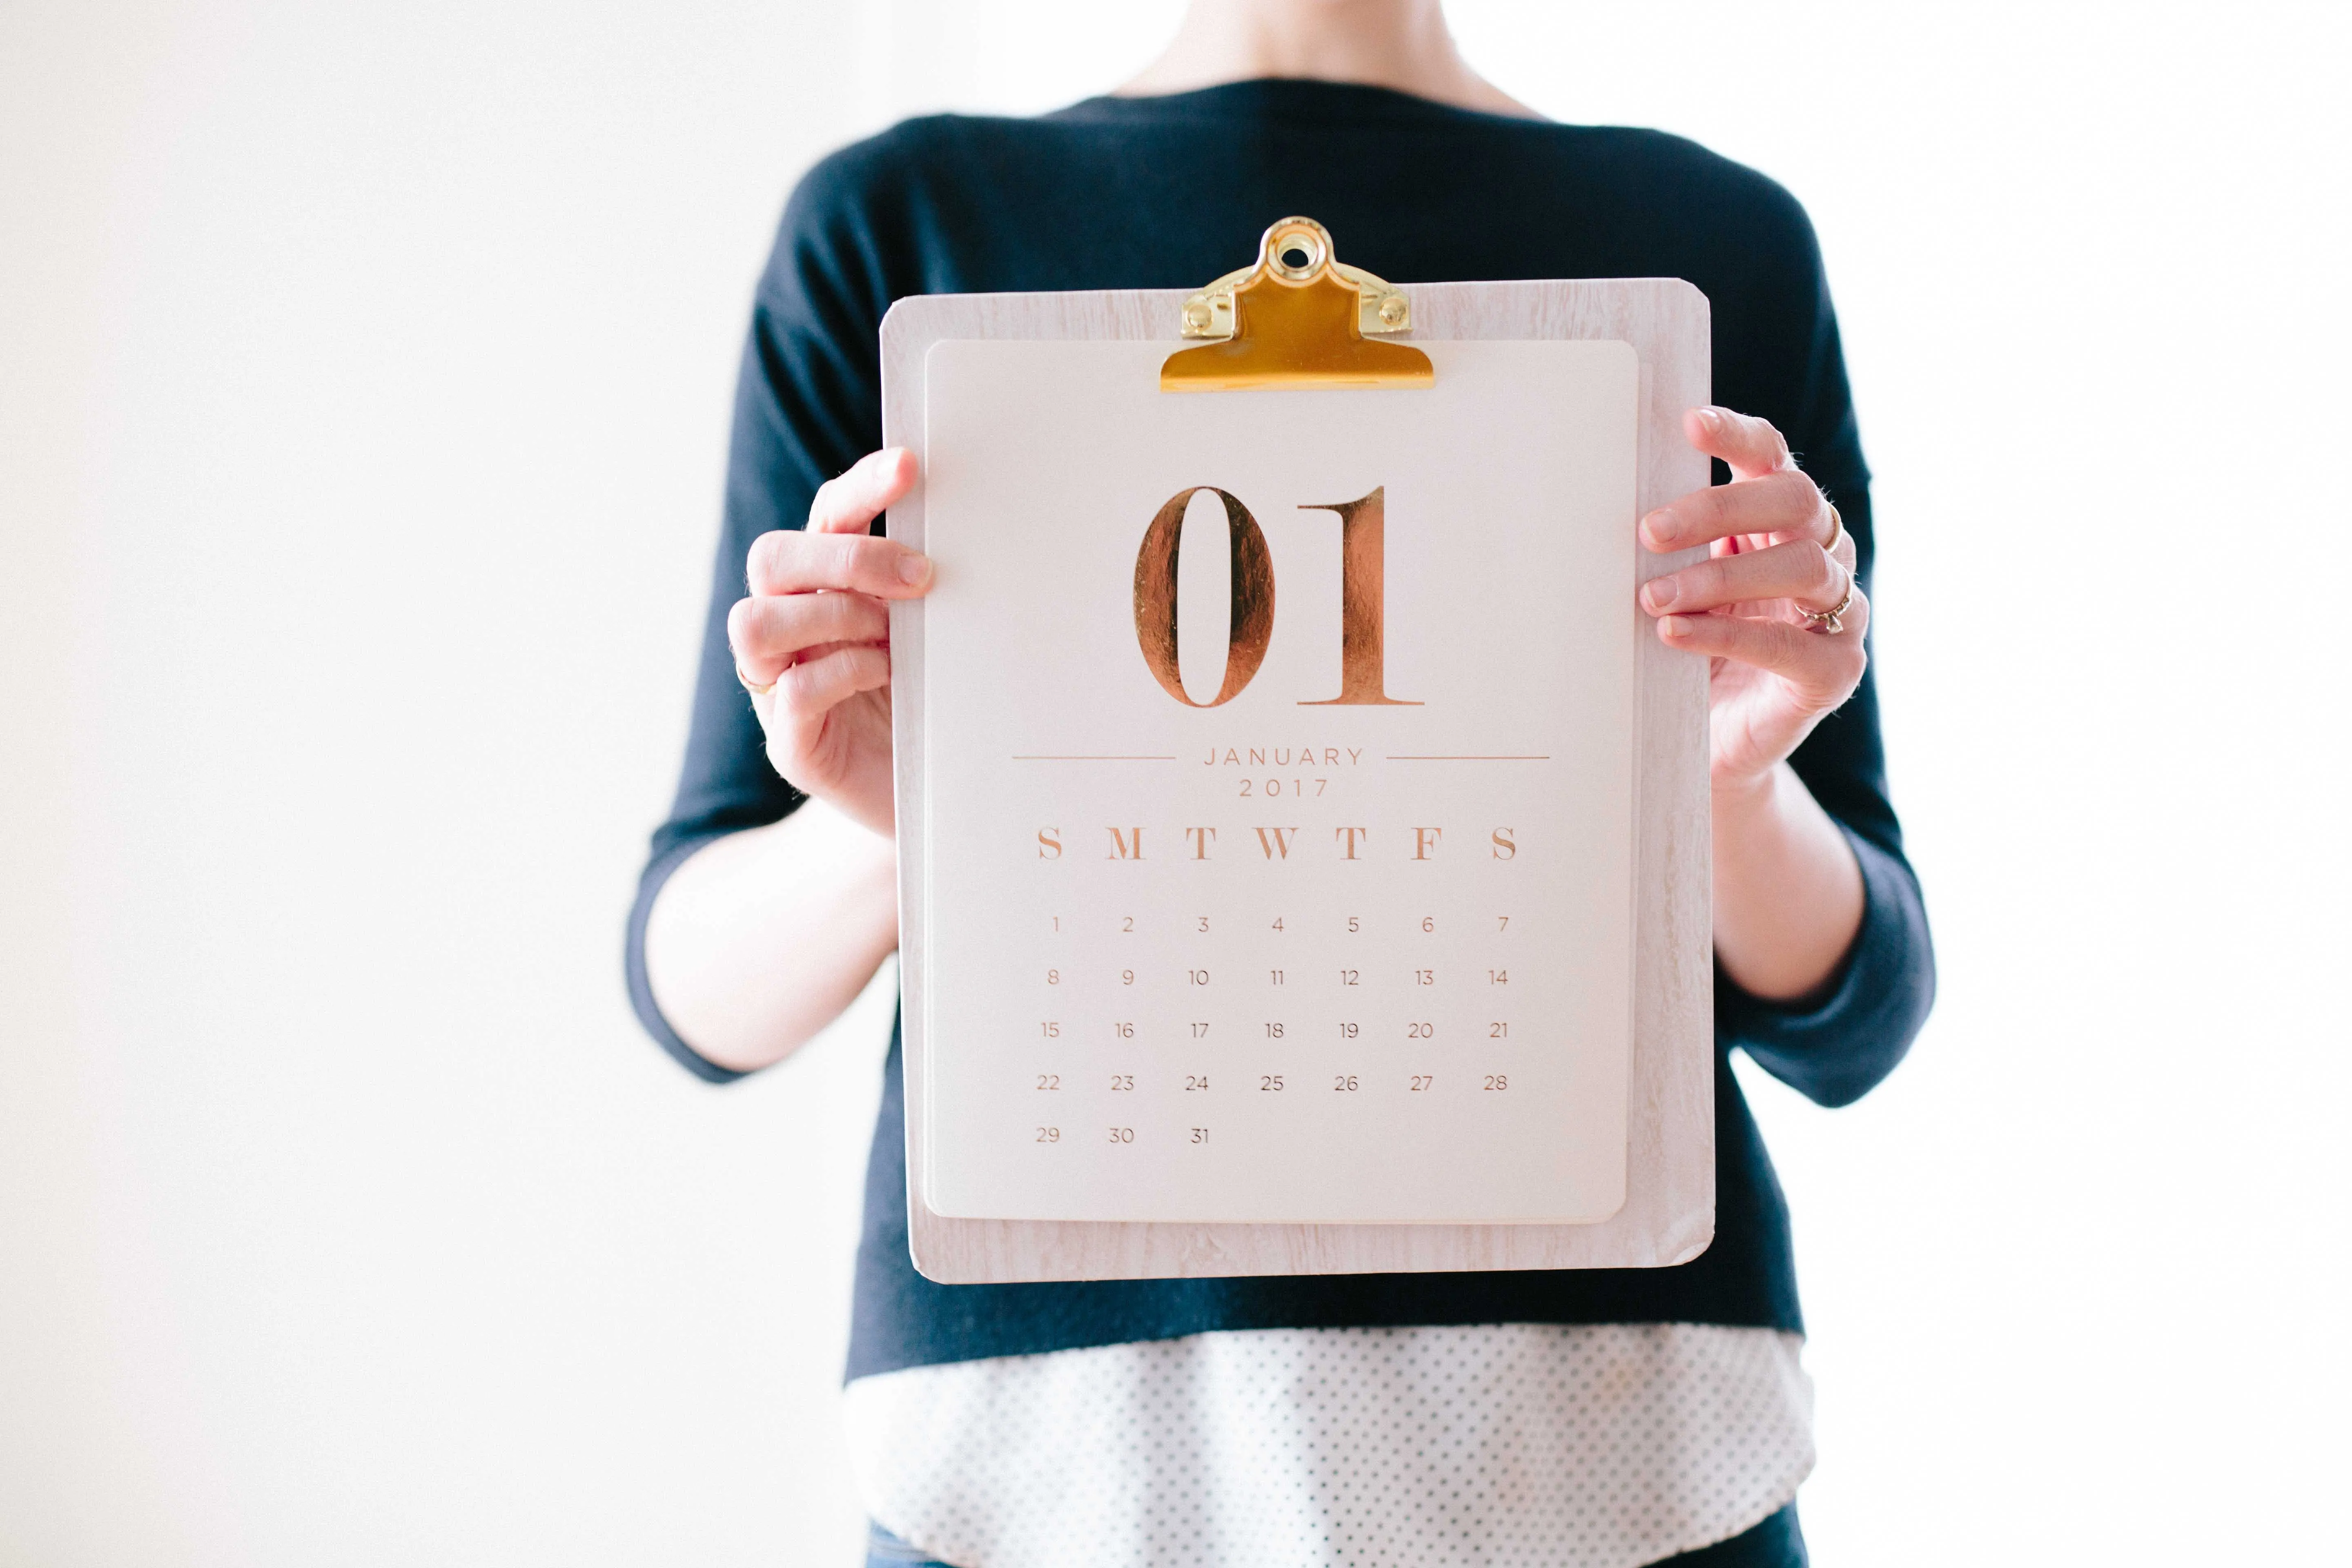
x: 1278, y: 786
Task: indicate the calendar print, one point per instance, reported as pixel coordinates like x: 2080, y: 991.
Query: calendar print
x: 1277, y: 773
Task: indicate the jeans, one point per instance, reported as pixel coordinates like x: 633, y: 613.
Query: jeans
x: 1775, y: 1543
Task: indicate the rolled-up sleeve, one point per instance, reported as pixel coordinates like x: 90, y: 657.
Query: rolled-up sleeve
x: 1835, y: 1045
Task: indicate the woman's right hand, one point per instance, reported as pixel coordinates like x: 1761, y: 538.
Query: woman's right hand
x: 816, y: 633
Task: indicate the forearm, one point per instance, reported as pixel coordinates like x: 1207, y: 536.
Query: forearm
x: 761, y: 938
x: 1788, y: 893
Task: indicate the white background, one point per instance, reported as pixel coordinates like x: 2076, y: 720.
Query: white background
x: 363, y: 378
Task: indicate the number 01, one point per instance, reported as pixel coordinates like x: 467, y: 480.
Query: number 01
x: 1363, y: 554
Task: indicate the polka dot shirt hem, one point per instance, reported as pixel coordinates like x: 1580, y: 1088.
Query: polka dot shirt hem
x: 1519, y: 1444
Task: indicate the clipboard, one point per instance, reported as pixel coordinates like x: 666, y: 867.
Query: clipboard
x: 1298, y: 321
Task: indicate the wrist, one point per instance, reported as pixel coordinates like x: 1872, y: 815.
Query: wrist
x: 857, y: 842
x: 864, y: 798
x: 877, y: 821
x: 1741, y: 798
x: 1789, y: 896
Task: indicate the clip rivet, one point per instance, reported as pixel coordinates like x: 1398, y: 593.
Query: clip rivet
x: 1299, y: 324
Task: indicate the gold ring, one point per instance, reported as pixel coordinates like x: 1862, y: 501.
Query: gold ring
x: 755, y: 691
x: 1837, y: 525
x: 1831, y: 622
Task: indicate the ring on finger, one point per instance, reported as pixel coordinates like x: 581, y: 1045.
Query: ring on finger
x: 745, y: 681
x: 1831, y: 622
x: 1837, y: 526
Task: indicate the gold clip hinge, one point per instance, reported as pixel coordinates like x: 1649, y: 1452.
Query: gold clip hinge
x: 1297, y: 318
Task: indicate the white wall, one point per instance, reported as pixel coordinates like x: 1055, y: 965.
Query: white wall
x: 366, y: 373
x: 363, y: 372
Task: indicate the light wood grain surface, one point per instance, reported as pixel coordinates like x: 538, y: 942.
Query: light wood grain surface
x: 1669, y: 1213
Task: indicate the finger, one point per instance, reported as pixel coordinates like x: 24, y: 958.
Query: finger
x: 1749, y: 445
x: 790, y: 561
x: 1799, y: 570
x: 1824, y: 670
x: 810, y: 690
x: 767, y: 633
x: 850, y: 503
x: 1785, y: 502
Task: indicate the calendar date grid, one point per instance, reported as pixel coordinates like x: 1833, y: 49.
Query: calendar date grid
x: 1166, y: 1025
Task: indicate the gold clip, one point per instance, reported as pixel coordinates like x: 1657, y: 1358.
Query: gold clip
x: 1300, y: 324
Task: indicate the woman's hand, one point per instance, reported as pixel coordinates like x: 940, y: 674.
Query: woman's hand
x: 1777, y: 562
x: 813, y: 642
x: 1788, y: 895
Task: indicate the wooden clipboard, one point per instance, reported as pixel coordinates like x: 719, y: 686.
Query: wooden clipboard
x: 1299, y: 314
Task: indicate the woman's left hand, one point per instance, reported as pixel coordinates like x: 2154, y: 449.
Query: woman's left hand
x: 1778, y: 561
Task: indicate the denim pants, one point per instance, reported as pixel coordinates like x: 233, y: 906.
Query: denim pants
x: 1775, y: 1543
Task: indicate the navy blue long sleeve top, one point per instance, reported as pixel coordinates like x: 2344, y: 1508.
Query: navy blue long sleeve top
x: 1165, y: 193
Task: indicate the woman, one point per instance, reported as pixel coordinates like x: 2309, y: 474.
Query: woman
x: 1591, y: 1417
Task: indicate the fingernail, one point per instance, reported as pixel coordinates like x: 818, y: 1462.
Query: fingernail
x: 914, y: 568
x: 1675, y: 626
x: 1710, y: 416
x: 1659, y: 526
x: 1661, y: 592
